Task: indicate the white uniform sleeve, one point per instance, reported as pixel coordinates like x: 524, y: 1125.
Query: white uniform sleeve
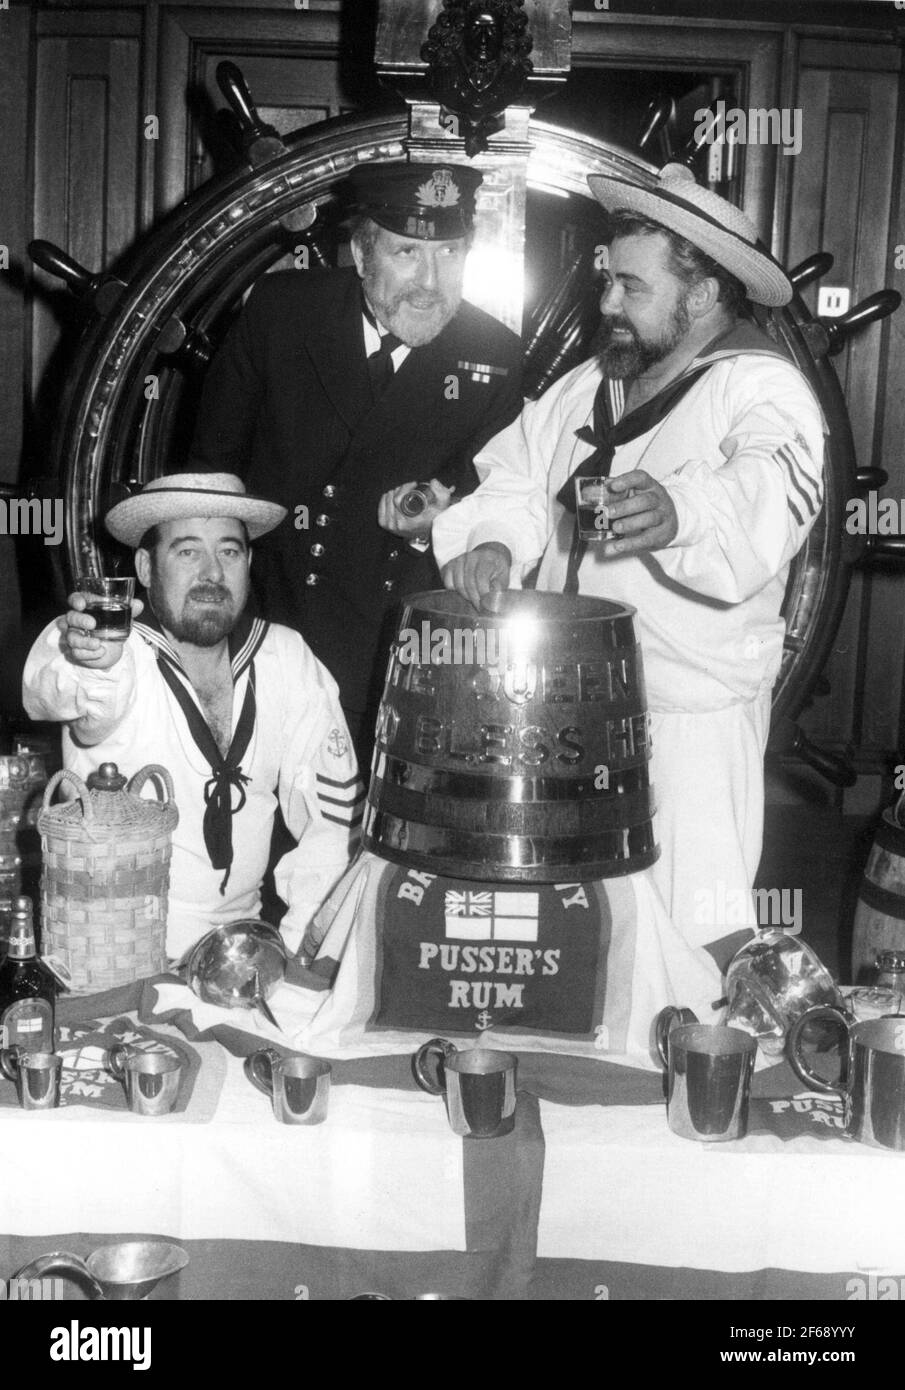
x: 92, y: 703
x: 510, y: 505
x: 744, y: 515
x: 321, y: 794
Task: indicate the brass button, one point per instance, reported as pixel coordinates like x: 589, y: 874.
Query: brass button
x: 321, y: 520
x: 312, y: 579
x: 393, y: 555
x: 388, y: 584
x: 329, y: 491
x: 317, y: 549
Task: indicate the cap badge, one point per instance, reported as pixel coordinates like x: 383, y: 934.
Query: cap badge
x: 439, y: 191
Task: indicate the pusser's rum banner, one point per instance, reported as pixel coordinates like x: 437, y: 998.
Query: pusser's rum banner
x: 581, y: 968
x: 459, y: 957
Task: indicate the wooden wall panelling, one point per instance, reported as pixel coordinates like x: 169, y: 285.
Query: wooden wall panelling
x: 15, y: 222
x: 264, y: 44
x: 755, y: 51
x: 841, y: 203
x: 87, y: 134
x: 15, y: 26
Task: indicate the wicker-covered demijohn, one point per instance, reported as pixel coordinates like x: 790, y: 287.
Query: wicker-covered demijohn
x: 106, y: 873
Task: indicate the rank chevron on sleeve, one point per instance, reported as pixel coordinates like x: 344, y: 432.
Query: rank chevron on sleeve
x: 341, y: 802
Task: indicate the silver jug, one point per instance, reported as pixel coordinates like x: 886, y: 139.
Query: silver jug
x: 771, y: 982
x: 125, y: 1271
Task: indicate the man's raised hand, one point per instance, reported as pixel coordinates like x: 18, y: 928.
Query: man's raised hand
x: 77, y: 641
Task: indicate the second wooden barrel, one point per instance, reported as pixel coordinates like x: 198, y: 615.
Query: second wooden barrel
x: 514, y: 745
x: 880, y: 914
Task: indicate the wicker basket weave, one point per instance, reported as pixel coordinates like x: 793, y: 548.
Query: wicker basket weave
x: 106, y: 873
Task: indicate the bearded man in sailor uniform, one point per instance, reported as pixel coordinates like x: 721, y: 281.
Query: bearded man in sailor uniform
x: 712, y: 442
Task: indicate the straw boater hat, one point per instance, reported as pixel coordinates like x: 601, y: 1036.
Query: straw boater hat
x: 716, y: 227
x: 191, y: 494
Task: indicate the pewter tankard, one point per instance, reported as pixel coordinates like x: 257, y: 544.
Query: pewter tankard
x: 709, y: 1078
x: 872, y: 1083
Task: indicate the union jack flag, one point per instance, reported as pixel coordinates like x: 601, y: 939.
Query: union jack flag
x: 475, y: 915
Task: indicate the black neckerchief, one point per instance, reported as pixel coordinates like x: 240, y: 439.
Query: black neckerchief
x: 226, y: 772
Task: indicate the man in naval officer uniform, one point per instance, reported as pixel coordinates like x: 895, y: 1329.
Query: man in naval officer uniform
x: 336, y: 388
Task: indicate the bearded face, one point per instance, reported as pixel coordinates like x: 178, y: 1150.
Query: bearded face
x: 197, y: 577
x: 627, y: 351
x: 413, y: 287
x: 644, y: 308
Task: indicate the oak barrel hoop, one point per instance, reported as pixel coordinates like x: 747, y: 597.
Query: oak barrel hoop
x: 514, y: 746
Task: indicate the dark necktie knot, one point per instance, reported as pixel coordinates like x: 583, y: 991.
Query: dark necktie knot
x: 380, y: 363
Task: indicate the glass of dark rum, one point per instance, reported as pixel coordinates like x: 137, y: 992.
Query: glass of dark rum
x: 109, y: 602
x: 590, y: 505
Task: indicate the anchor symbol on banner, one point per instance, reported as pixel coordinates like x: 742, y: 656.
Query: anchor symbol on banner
x: 484, y: 1020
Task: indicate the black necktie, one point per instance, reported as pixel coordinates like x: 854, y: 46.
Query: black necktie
x: 380, y: 364
x: 607, y: 438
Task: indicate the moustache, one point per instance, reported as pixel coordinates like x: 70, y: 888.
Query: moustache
x: 609, y: 326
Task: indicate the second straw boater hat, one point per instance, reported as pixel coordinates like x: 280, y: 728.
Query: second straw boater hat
x: 178, y: 495
x: 719, y: 229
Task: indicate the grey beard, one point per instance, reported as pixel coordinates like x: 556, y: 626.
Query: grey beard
x: 621, y: 360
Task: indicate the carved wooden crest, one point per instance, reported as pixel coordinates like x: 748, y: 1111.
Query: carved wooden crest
x: 479, y: 64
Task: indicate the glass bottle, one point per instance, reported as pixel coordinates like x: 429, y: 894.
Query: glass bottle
x: 414, y: 502
x: 27, y: 988
x: 891, y: 973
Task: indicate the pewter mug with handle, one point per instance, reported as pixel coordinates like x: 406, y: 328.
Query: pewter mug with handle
x: 479, y: 1086
x: 37, y: 1076
x: 709, y: 1070
x: 151, y: 1080
x: 872, y: 1081
x: 298, y: 1086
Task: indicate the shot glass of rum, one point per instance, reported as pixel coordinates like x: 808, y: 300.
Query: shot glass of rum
x: 590, y: 506
x: 109, y: 602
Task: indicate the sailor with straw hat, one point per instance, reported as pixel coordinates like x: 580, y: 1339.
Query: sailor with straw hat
x: 181, y: 495
x: 238, y: 709
x: 712, y: 443
x: 709, y: 222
